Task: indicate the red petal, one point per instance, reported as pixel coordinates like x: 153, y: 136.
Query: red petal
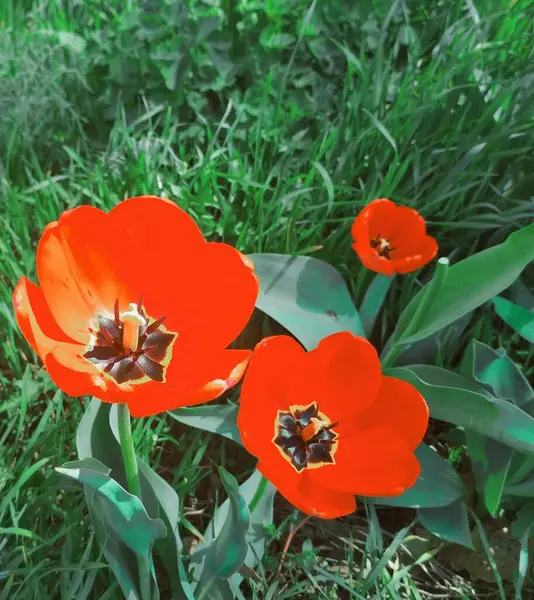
x: 401, y: 408
x: 208, y: 295
x: 35, y: 319
x: 422, y: 255
x: 303, y: 493
x: 263, y: 391
x: 372, y: 261
x: 205, y: 380
x: 84, y: 263
x: 206, y: 290
x: 343, y: 375
x: 159, y: 225
x: 372, y: 462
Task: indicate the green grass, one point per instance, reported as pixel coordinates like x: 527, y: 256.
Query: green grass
x: 428, y: 105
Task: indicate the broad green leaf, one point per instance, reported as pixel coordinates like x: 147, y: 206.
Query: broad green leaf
x: 228, y: 550
x: 257, y: 535
x: 491, y: 461
x: 305, y: 295
x: 470, y: 283
x: 495, y: 369
x: 216, y: 418
x: 162, y: 501
x: 373, y: 300
x: 438, y: 483
x: 127, y: 518
x: 168, y: 548
x: 518, y: 318
x: 462, y: 402
x: 450, y: 523
x: 94, y: 439
x: 524, y: 518
x: 98, y: 437
x: 525, y: 488
x: 520, y: 294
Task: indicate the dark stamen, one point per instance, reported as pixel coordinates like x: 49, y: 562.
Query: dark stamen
x: 317, y: 449
x: 117, y: 313
x: 154, y: 325
x: 123, y: 365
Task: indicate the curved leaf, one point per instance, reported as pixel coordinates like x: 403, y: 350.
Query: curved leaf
x: 305, y: 295
x: 496, y: 370
x: 492, y: 460
x: 228, y: 550
x: 453, y: 398
x: 373, y: 300
x: 126, y: 514
x: 216, y: 418
x: 470, y: 283
x: 438, y: 484
x: 450, y: 523
x: 257, y: 535
x: 518, y: 318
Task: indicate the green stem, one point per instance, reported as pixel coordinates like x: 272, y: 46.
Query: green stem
x: 134, y: 487
x: 428, y: 298
x: 262, y: 486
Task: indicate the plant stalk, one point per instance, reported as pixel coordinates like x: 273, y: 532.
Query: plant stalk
x: 134, y: 487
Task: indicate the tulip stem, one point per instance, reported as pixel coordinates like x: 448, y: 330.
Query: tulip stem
x: 262, y: 486
x: 429, y: 295
x: 134, y: 487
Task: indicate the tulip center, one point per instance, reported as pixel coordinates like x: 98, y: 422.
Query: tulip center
x: 382, y: 246
x: 128, y: 347
x: 305, y: 437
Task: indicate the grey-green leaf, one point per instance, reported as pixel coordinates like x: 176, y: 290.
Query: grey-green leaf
x: 450, y: 523
x: 470, y: 283
x: 215, y: 418
x: 437, y: 485
x: 305, y: 295
x: 457, y: 400
x: 126, y: 513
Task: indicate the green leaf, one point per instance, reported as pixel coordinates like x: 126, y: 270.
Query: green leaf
x: 305, y: 295
x: 221, y: 419
x: 524, y: 519
x: 518, y: 318
x: 161, y: 501
x: 462, y: 402
x: 98, y: 437
x: 373, y: 300
x: 260, y: 518
x: 126, y: 516
x: 437, y: 485
x: 470, y: 283
x: 168, y: 548
x: 524, y: 489
x: 94, y: 439
x: 450, y: 523
x: 491, y: 461
x: 228, y: 550
x: 496, y: 370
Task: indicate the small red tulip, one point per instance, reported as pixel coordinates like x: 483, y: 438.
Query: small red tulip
x: 392, y: 239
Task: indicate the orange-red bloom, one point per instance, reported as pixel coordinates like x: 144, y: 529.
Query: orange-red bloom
x: 392, y: 239
x: 135, y: 306
x: 327, y: 425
